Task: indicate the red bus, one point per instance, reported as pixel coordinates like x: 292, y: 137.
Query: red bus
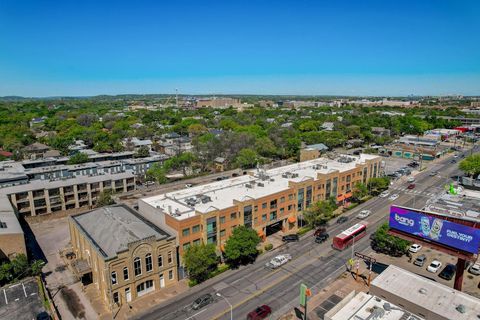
x: 345, y: 239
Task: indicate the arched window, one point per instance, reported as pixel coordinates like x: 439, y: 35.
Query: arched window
x: 148, y: 262
x: 137, y: 266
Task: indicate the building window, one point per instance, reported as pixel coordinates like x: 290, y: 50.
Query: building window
x: 137, y: 266
x: 273, y: 204
x: 255, y: 208
x: 222, y: 233
x: 125, y: 273
x: 273, y: 215
x: 114, y: 277
x: 233, y: 216
x: 160, y: 261
x: 170, y: 259
x: 170, y: 274
x: 289, y: 208
x: 148, y: 262
x: 264, y: 205
x: 282, y: 210
x: 264, y: 217
x: 145, y: 287
x: 196, y: 228
x: 290, y: 196
x: 115, y: 298
x: 186, y: 246
x: 222, y: 219
x: 196, y: 242
x: 185, y: 232
x: 282, y: 199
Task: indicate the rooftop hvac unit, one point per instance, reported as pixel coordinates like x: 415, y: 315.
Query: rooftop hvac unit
x: 249, y: 186
x: 271, y: 179
x: 284, y: 175
x: 260, y: 184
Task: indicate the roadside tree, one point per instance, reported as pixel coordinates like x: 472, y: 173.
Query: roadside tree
x: 200, y: 261
x: 241, y: 247
x: 471, y: 165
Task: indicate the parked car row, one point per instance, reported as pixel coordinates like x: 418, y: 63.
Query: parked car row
x: 259, y: 313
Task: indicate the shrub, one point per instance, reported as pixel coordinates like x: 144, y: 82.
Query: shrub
x: 268, y: 247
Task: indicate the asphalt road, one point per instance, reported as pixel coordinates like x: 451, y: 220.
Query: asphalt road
x: 316, y: 265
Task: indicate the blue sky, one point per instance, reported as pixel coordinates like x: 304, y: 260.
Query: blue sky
x: 358, y: 47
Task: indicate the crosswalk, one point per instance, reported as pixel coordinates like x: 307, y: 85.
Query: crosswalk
x: 427, y: 193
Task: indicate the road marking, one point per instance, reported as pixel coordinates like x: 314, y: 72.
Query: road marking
x: 17, y: 299
x: 32, y: 294
x: 5, y: 294
x: 24, y: 291
x: 196, y: 314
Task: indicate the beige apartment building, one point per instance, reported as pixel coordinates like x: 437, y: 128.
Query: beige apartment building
x: 39, y: 197
x: 267, y: 201
x: 123, y: 255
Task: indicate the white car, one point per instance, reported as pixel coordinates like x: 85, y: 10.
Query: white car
x: 278, y: 261
x: 393, y: 197
x: 188, y: 185
x: 434, y: 266
x: 475, y: 269
x: 414, y: 248
x: 411, y: 179
x: 363, y: 214
x: 384, y: 194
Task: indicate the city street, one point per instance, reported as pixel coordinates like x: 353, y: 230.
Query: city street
x: 313, y: 264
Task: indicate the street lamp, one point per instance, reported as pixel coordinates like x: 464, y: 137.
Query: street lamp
x: 231, y: 307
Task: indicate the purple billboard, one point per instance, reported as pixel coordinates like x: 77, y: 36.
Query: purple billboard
x: 434, y: 229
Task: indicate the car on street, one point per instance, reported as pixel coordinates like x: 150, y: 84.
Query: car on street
x: 260, y: 313
x: 453, y: 161
x: 202, y: 301
x: 414, y: 248
x: 290, y: 238
x: 411, y: 179
x: 278, y: 261
x: 393, y: 197
x: 411, y: 186
x: 342, y: 219
x: 433, y: 173
x: 475, y: 269
x: 448, y: 272
x: 384, y: 194
x: 420, y: 260
x: 320, y: 231
x: 321, y: 238
x: 364, y: 214
x: 434, y: 266
x: 188, y: 185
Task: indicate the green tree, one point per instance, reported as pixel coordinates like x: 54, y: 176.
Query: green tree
x: 247, y: 158
x: 320, y: 212
x: 200, y: 261
x: 6, y: 273
x: 105, y: 198
x: 241, y: 247
x: 157, y: 173
x: 142, y: 152
x: 20, y: 265
x: 360, y: 190
x: 471, y: 165
x: 196, y: 129
x: 265, y: 147
x: 377, y: 185
x: 387, y: 243
x: 78, y: 158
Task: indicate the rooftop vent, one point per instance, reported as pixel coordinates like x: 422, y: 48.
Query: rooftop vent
x: 249, y: 186
x: 423, y: 291
x: 461, y: 308
x: 260, y: 184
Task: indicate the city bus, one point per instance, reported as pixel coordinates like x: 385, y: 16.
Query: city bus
x: 346, y: 238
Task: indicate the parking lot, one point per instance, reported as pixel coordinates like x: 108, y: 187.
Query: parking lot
x: 470, y: 281
x: 21, y: 301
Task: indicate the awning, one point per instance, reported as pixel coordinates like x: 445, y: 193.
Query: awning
x: 292, y: 219
x: 222, y: 248
x: 260, y: 233
x: 340, y: 197
x: 348, y: 195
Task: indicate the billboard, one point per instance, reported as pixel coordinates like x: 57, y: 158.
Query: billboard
x: 435, y: 229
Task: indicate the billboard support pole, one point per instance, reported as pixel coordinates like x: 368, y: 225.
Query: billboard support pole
x: 370, y: 274
x: 459, y: 274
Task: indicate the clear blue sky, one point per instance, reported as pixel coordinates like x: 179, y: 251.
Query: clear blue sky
x: 280, y: 47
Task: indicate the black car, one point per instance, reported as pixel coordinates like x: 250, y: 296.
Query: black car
x: 321, y: 238
x: 202, y: 301
x: 342, y: 220
x: 448, y: 272
x: 290, y: 238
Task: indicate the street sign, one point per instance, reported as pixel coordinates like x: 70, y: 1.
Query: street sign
x: 299, y: 314
x: 365, y: 257
x: 303, y: 295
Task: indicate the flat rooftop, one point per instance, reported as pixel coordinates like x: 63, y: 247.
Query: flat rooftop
x: 220, y: 195
x: 10, y: 223
x: 465, y: 204
x: 112, y: 228
x: 427, y: 294
x: 364, y: 306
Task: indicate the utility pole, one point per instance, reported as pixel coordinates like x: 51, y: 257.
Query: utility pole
x: 176, y: 97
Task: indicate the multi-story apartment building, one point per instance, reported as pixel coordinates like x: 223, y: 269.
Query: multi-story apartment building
x: 267, y: 201
x: 123, y: 255
x: 12, y: 239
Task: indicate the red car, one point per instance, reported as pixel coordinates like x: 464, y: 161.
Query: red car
x: 260, y: 313
x: 411, y: 186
